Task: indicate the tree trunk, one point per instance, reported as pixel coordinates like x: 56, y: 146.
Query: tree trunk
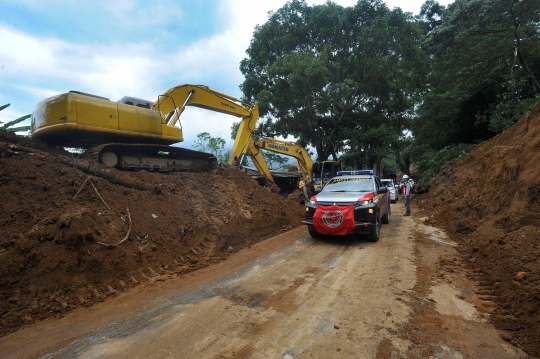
x: 521, y: 58
x: 102, y: 171
x: 89, y: 167
x: 525, y: 67
x: 360, y: 157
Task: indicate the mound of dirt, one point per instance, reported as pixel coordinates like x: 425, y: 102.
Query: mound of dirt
x: 75, y: 232
x: 489, y: 202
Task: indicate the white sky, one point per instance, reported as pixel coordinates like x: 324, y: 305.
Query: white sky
x: 35, y: 64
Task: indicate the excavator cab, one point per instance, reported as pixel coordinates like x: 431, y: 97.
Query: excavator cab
x: 135, y: 101
x: 323, y: 171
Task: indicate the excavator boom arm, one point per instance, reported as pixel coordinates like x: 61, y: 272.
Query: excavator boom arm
x: 172, y: 103
x: 254, y: 148
x: 203, y: 97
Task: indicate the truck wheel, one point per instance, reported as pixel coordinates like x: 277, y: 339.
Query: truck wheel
x: 313, y: 233
x: 386, y: 218
x: 374, y: 235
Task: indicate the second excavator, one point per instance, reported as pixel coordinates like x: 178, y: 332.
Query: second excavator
x: 317, y: 171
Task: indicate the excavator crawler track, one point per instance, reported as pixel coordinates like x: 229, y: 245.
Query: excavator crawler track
x: 158, y: 158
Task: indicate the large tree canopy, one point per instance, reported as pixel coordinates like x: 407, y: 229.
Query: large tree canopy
x: 375, y: 85
x: 484, y: 68
x: 330, y: 75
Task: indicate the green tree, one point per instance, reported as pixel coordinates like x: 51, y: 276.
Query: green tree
x: 323, y: 72
x: 485, y: 65
x: 292, y: 168
x: 215, y: 145
x: 430, y: 16
x: 274, y: 161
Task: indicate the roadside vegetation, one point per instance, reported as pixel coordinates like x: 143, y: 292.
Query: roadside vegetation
x: 380, y: 88
x: 8, y: 126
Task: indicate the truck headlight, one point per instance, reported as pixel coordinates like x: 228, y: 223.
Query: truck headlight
x: 365, y: 199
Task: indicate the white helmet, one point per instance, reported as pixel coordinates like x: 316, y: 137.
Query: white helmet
x: 405, y: 177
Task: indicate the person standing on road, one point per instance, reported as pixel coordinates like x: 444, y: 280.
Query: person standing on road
x: 406, y: 193
x: 309, y: 190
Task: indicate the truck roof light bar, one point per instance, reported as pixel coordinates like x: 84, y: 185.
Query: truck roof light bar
x: 357, y: 172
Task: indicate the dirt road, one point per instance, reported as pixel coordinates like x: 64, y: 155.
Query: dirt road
x: 405, y: 296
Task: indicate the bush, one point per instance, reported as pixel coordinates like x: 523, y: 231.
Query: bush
x: 9, y: 125
x: 431, y: 161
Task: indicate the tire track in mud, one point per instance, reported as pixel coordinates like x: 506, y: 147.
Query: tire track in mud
x: 327, y: 298
x: 291, y: 302
x: 274, y: 277
x: 450, y: 309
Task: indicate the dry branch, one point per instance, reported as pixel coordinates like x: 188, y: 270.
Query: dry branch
x: 125, y: 238
x: 89, y: 167
x: 102, y: 200
x: 95, y: 189
x: 80, y: 189
x: 102, y: 171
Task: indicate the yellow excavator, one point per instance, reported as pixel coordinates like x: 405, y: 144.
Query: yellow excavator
x: 133, y: 133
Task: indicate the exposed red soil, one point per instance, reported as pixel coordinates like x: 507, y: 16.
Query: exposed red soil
x: 489, y: 202
x: 59, y: 242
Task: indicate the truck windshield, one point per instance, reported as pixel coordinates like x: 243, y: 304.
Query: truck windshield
x: 349, y: 184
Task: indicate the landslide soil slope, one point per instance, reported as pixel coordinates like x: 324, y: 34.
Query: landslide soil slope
x: 489, y: 202
x: 62, y: 228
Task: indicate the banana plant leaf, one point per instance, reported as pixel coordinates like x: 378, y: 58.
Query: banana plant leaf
x: 14, y: 122
x: 18, y: 129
